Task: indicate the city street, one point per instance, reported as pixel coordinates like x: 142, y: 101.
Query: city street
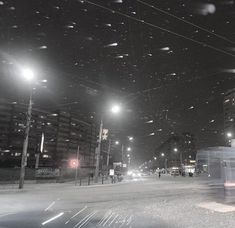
x: 145, y: 202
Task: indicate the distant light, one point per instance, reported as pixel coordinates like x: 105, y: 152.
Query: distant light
x: 229, y: 134
x: 128, y: 149
x: 116, y: 142
x: 150, y: 121
x: 115, y: 109
x: 128, y: 155
x: 175, y: 150
x: 27, y: 73
x: 44, y: 80
x: 155, y: 158
x: 165, y: 49
x: 111, y: 45
x: 162, y: 154
x: 43, y: 47
x: 73, y: 163
x: 131, y: 138
x: 152, y: 134
x: 229, y: 70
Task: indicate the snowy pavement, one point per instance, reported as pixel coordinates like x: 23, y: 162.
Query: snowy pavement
x: 145, y: 202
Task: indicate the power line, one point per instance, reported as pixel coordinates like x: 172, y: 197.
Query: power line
x: 185, y: 21
x: 160, y: 28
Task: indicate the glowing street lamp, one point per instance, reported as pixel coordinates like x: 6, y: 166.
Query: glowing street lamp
x: 27, y: 74
x: 128, y: 149
x: 175, y: 150
x: 162, y: 154
x: 117, y: 142
x: 115, y: 109
x: 131, y: 138
x: 229, y: 134
x: 155, y: 158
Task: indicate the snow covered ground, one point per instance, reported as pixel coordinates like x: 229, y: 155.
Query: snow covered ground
x: 144, y: 202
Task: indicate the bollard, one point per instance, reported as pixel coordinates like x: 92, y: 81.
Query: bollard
x: 88, y: 180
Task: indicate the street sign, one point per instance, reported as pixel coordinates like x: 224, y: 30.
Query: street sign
x: 105, y: 134
x: 111, y: 172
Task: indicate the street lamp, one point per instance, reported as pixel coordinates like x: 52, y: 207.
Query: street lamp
x: 175, y: 150
x: 131, y: 138
x: 155, y: 158
x: 116, y: 142
x: 162, y: 154
x: 115, y: 109
x: 29, y: 76
x: 128, y: 149
x: 229, y: 134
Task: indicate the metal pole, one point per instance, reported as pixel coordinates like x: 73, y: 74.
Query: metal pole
x: 109, y: 148
x: 165, y: 163
x: 26, y: 141
x: 181, y: 159
x: 97, y: 151
x: 122, y: 154
x: 76, y: 171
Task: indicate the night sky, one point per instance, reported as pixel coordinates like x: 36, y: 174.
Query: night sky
x: 168, y: 62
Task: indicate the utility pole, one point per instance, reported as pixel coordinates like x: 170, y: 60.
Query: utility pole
x: 108, y: 154
x: 122, y: 153
x: 76, y: 171
x: 97, y: 152
x: 26, y: 141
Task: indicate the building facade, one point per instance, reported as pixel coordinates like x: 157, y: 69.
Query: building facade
x: 55, y: 136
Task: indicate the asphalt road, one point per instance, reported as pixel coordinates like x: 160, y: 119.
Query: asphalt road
x: 146, y: 202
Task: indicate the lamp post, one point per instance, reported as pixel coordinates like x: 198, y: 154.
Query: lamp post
x: 115, y: 109
x: 28, y: 75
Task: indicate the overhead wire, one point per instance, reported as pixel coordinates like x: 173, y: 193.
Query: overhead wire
x: 160, y: 28
x: 185, y: 21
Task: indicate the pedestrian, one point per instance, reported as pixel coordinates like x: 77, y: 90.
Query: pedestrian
x: 159, y: 174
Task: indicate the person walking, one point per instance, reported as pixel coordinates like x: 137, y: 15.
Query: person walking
x: 159, y: 174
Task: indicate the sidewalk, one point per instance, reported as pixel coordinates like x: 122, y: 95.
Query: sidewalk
x: 30, y: 185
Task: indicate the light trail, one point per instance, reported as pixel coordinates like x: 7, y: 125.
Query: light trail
x: 53, y: 218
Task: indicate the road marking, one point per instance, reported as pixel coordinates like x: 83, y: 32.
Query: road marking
x: 113, y: 219
x: 81, y: 221
x: 218, y: 207
x: 3, y: 215
x: 87, y: 220
x: 108, y: 219
x: 50, y: 206
x: 76, y: 214
x: 129, y: 220
x: 53, y: 218
x: 104, y: 217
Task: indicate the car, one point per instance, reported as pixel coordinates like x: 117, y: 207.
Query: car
x: 175, y: 173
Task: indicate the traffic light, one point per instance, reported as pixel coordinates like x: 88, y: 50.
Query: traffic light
x: 74, y: 163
